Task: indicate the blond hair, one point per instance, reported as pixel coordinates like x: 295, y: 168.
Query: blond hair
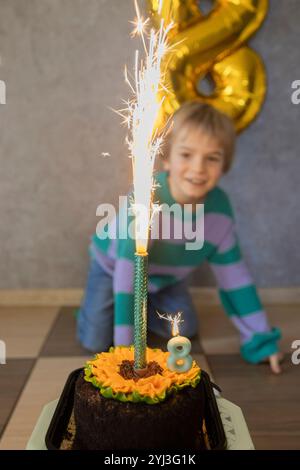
x: 203, y: 116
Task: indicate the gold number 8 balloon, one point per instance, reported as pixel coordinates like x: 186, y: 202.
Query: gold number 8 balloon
x: 213, y: 46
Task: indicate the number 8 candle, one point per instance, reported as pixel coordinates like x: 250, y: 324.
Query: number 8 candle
x: 179, y: 347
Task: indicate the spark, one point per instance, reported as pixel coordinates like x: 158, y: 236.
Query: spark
x: 175, y: 320
x: 139, y: 26
x: 105, y: 154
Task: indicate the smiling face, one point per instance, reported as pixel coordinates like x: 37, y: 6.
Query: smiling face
x: 195, y: 165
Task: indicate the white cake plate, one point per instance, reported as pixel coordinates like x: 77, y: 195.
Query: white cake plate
x: 235, y: 427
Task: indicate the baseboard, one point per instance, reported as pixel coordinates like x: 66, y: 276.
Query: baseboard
x: 40, y: 297
x: 72, y: 297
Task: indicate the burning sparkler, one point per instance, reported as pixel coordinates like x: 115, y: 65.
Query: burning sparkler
x: 144, y: 143
x: 141, y: 116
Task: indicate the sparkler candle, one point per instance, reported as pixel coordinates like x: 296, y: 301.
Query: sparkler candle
x: 179, y: 347
x: 141, y: 117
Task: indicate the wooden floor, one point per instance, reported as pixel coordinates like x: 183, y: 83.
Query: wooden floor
x: 42, y: 351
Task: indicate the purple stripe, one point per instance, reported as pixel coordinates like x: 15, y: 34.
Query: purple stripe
x: 228, y: 242
x: 112, y: 250
x: 112, y: 235
x: 105, y: 262
x: 232, y: 276
x: 123, y: 276
x: 178, y: 271
x: 215, y: 227
x: 249, y: 325
x: 123, y: 335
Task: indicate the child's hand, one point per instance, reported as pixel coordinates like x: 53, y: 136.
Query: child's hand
x: 275, y: 360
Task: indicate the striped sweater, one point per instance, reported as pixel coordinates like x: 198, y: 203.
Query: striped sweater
x: 170, y: 262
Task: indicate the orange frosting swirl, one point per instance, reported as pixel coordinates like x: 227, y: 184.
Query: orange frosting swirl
x: 103, y: 372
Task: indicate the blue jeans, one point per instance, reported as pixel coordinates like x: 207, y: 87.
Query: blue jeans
x: 96, y: 316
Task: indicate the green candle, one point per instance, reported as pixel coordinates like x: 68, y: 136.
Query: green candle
x: 140, y: 309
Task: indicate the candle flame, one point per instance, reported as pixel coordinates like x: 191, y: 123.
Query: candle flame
x: 175, y: 320
x: 140, y: 116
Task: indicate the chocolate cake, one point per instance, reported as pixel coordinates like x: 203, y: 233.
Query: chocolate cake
x: 115, y: 410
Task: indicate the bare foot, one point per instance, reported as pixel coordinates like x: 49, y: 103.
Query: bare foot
x: 274, y: 361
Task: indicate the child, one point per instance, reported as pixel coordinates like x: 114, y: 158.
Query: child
x: 198, y: 150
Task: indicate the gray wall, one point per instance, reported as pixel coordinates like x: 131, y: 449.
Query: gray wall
x: 62, y: 61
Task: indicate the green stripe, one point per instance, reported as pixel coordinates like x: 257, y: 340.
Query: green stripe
x: 240, y: 302
x: 231, y: 256
x: 162, y: 192
x: 124, y: 309
x: 126, y: 249
x: 172, y: 254
x: 161, y: 281
x: 217, y: 201
x: 261, y: 346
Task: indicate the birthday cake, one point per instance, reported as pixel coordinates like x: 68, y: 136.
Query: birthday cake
x: 117, y: 409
